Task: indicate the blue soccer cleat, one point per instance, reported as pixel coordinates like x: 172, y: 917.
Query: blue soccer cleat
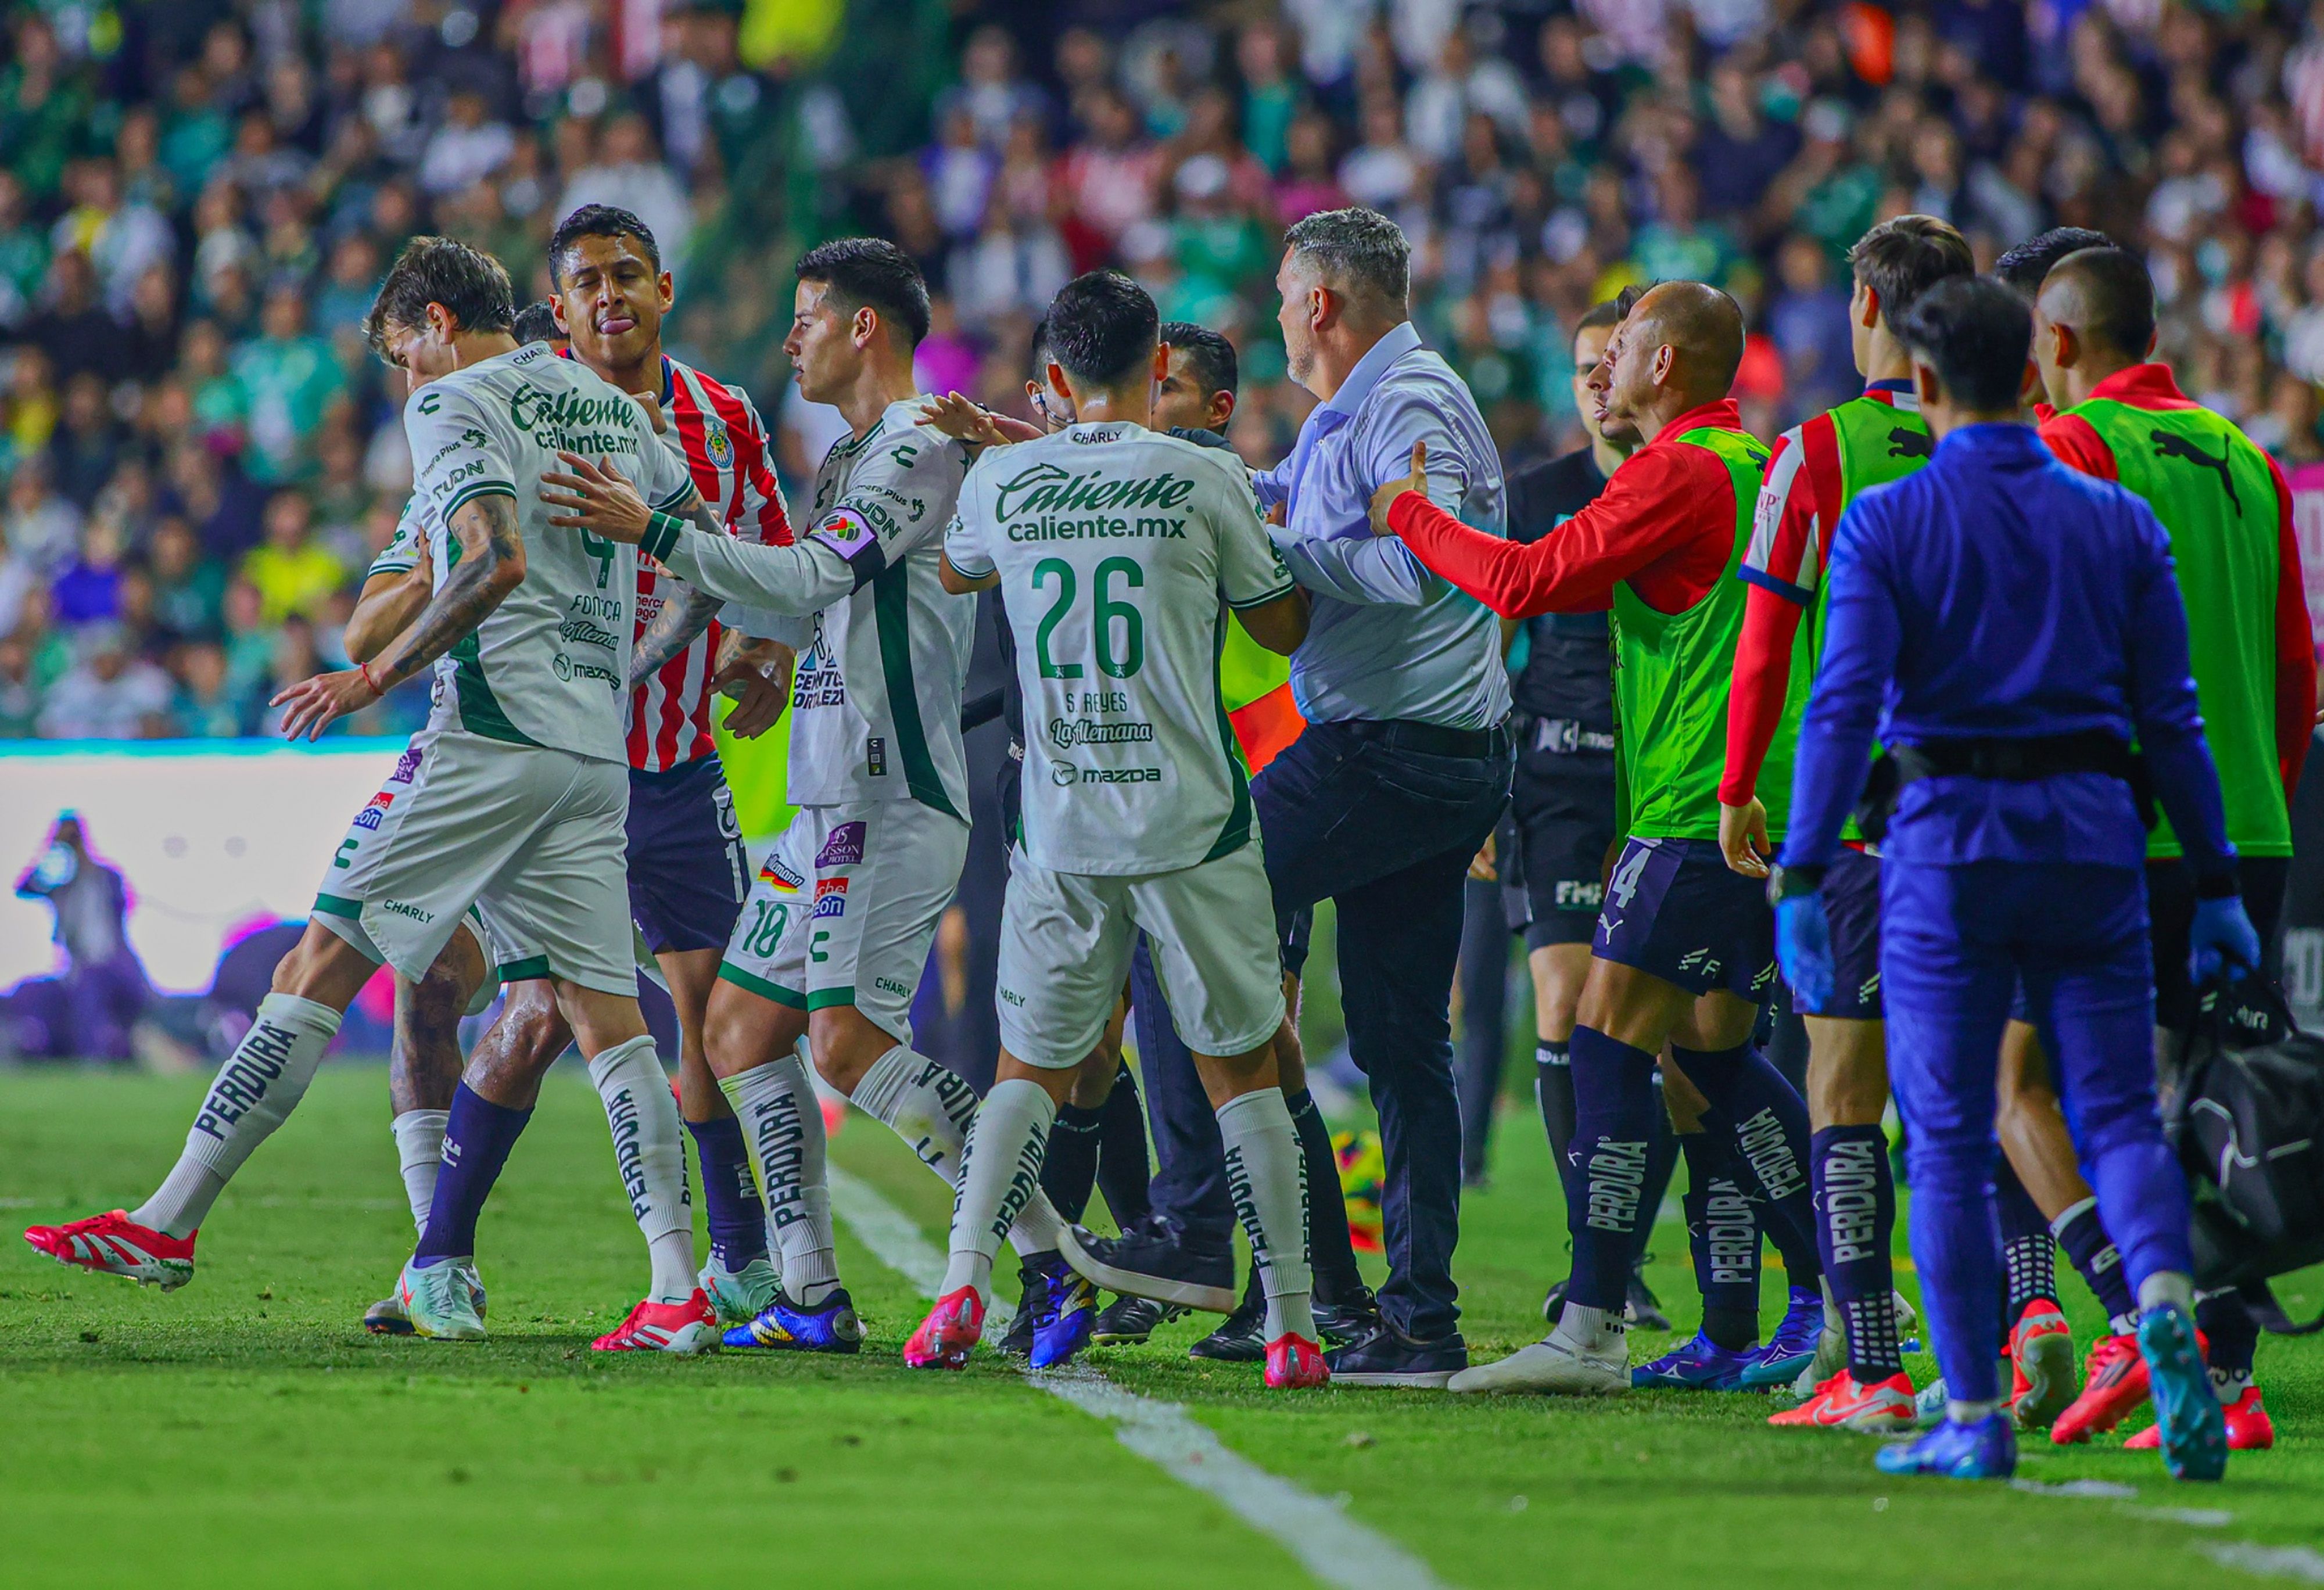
x: 1985, y: 1450
x: 784, y: 1327
x: 1698, y: 1365
x: 1793, y: 1346
x: 2186, y: 1408
x: 1066, y: 1319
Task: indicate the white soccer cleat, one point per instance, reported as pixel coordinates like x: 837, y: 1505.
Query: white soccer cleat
x: 439, y: 1300
x: 740, y: 1296
x: 1554, y: 1367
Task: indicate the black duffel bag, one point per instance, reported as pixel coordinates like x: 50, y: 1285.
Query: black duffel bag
x: 2243, y: 1106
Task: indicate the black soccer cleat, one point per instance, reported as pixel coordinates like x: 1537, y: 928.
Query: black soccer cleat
x: 1340, y: 1320
x: 1642, y: 1308
x: 1130, y: 1322
x: 1033, y: 1291
x: 1153, y: 1262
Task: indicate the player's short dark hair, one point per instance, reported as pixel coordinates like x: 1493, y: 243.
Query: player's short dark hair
x: 536, y: 323
x: 1103, y: 327
x: 1902, y: 258
x: 2023, y: 267
x: 1976, y: 332
x: 1357, y: 250
x: 599, y: 220
x: 1037, y: 352
x: 871, y: 272
x: 471, y: 285
x: 1627, y: 299
x: 1599, y: 316
x: 2116, y: 297
x: 1210, y: 356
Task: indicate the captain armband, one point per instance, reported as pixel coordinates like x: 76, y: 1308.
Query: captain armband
x: 856, y: 542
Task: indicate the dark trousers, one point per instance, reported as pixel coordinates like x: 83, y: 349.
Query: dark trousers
x: 1484, y: 1017
x: 1190, y: 1170
x: 1353, y: 815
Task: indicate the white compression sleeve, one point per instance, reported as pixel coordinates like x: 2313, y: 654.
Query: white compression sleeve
x: 1000, y: 1173
x: 650, y: 1148
x: 1267, y: 1179
x: 782, y: 1125
x: 420, y: 1153
x: 930, y: 1106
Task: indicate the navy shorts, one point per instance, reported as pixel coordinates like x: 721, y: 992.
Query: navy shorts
x: 1676, y: 910
x: 1552, y: 847
x: 1851, y: 902
x: 688, y: 874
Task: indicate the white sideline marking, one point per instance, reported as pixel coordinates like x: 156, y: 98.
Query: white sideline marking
x: 2282, y: 1562
x: 1333, y: 1547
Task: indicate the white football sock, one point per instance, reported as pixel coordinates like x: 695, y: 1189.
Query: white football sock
x: 1267, y: 1179
x: 1000, y: 1173
x: 253, y: 1092
x: 930, y: 1106
x: 419, y: 1150
x: 782, y: 1127
x: 1586, y: 1329
x: 650, y: 1148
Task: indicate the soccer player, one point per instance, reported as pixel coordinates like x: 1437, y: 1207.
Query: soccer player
x: 836, y: 931
x: 2009, y: 626
x: 687, y: 871
x: 512, y: 796
x: 1683, y: 949
x: 2227, y: 508
x: 1118, y: 553
x: 1561, y: 820
x: 1815, y: 471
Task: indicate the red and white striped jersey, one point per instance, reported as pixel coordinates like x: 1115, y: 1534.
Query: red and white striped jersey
x: 727, y: 451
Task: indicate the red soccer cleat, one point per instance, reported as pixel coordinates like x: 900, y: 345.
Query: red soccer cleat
x: 2249, y: 1428
x: 2114, y: 1384
x: 1845, y: 1402
x: 949, y: 1334
x: 112, y: 1243
x: 2041, y: 1366
x: 691, y: 1326
x: 1294, y: 1364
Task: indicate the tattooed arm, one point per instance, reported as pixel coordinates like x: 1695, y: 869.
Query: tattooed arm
x: 491, y: 565
x: 685, y: 612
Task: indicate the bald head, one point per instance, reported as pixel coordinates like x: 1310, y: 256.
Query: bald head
x: 2106, y: 296
x: 1702, y: 326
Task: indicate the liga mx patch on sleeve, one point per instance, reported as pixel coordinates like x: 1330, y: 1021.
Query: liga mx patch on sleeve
x: 844, y: 846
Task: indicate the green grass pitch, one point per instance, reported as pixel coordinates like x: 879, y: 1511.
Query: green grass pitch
x: 244, y: 1432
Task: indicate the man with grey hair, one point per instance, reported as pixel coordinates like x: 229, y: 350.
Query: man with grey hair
x: 1403, y: 766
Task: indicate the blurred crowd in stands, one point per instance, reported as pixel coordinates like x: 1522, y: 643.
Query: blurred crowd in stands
x: 197, y: 197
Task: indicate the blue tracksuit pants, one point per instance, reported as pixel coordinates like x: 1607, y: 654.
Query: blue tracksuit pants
x: 1955, y: 942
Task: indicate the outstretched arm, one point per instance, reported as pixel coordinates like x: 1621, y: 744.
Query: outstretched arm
x: 491, y: 565
x: 685, y: 612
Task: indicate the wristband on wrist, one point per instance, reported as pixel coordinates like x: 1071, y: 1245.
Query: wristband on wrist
x: 364, y: 669
x: 662, y: 531
x: 2220, y: 886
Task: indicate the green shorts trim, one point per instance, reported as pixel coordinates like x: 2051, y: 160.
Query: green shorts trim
x: 339, y: 906
x: 764, y: 989
x: 825, y: 998
x: 524, y: 970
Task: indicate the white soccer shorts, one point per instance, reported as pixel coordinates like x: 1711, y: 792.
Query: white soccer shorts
x: 845, y: 907
x: 532, y: 835
x: 1066, y: 939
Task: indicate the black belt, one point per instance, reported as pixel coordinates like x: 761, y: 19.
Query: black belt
x: 1429, y: 739
x: 1559, y: 736
x: 2005, y: 761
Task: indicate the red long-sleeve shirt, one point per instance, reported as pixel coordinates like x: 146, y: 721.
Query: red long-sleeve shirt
x: 1664, y: 524
x: 2077, y: 443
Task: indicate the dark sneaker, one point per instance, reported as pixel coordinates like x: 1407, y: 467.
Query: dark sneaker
x: 1342, y: 1320
x: 1032, y: 1296
x: 1643, y: 1309
x: 1240, y: 1340
x: 1130, y: 1322
x: 1553, y: 1302
x: 1389, y: 1357
x: 1150, y: 1263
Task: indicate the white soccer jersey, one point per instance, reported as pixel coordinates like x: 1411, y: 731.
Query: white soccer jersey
x: 1120, y: 550
x: 875, y: 703
x: 550, y: 665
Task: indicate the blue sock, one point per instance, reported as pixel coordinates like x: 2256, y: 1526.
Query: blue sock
x: 730, y: 1196
x: 2097, y: 1259
x: 477, y: 1143
x: 1613, y: 1128
x: 1723, y: 1230
x: 1771, y: 1135
x: 1856, y: 1221
x: 2028, y: 1250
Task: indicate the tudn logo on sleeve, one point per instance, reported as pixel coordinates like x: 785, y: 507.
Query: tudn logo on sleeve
x: 843, y: 848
